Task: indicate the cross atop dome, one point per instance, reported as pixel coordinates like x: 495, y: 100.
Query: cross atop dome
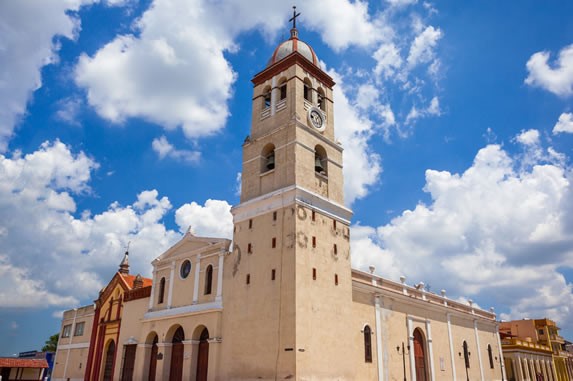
x: 294, y: 31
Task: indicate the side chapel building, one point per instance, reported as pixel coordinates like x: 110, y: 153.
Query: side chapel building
x: 284, y: 302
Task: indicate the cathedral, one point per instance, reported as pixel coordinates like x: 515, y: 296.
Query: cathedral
x: 281, y: 301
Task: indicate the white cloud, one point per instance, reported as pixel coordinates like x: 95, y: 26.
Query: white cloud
x: 529, y: 137
x: 401, y: 3
x: 433, y: 109
x: 388, y: 60
x: 499, y: 231
x: 362, y: 166
x: 69, y: 110
x: 564, y: 124
x: 165, y: 149
x: 27, y: 44
x: 556, y: 77
x: 422, y: 49
x: 212, y: 220
x: 82, y: 253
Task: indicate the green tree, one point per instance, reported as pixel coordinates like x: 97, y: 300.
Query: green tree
x: 51, y: 343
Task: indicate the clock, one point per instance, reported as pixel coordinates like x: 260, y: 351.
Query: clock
x: 316, y: 118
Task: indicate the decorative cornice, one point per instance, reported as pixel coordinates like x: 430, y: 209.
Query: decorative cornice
x: 293, y: 58
x: 185, y: 310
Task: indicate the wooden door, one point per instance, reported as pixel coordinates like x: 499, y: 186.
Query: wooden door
x: 419, y: 356
x: 176, y: 372
x: 203, y: 356
x: 153, y: 361
x: 128, y: 363
x: 108, y: 367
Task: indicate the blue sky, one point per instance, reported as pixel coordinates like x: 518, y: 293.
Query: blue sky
x: 122, y: 121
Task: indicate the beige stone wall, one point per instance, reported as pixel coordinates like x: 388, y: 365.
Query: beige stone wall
x: 164, y: 328
x: 72, y: 352
x: 130, y: 332
x: 259, y: 318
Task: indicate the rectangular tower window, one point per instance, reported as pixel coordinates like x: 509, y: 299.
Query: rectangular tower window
x: 273, y: 274
x: 335, y: 250
x: 334, y: 224
x: 274, y: 216
x: 274, y: 244
x: 313, y: 273
x: 249, y: 248
x: 336, y: 279
x: 313, y: 216
x: 313, y: 241
x: 283, y: 91
x: 248, y: 278
x: 250, y: 224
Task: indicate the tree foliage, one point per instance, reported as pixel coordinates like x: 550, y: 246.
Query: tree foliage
x: 51, y: 343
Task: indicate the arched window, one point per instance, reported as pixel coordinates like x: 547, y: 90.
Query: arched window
x: 108, y: 366
x: 466, y: 355
x: 176, y: 366
x: 153, y: 359
x: 161, y: 291
x: 208, y: 279
x: 268, y: 158
x: 283, y: 89
x: 320, y: 160
x: 367, y: 344
x: 307, y: 90
x: 267, y: 97
x: 490, y: 355
x: 320, y: 101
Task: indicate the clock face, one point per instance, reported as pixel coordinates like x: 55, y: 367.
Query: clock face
x: 316, y: 119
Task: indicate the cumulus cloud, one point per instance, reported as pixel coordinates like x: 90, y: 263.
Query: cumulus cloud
x: 529, y: 137
x: 499, y: 231
x: 37, y: 203
x: 165, y: 149
x: 214, y: 219
x: 27, y: 43
x: 388, y: 60
x: 556, y: 77
x: 564, y: 124
x: 362, y: 166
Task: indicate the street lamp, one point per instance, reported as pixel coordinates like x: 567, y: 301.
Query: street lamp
x: 403, y: 357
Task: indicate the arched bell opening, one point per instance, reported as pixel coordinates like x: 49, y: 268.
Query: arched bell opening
x: 320, y: 102
x: 320, y: 161
x: 307, y: 92
x: 266, y: 97
x: 268, y: 158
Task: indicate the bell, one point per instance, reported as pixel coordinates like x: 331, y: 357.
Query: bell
x: 271, y: 162
x: 318, y: 165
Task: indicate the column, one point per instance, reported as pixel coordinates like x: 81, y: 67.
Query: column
x: 430, y: 350
x: 411, y: 344
x: 152, y: 296
x: 544, y: 370
x: 378, y: 338
x: 197, y: 274
x: 502, y: 362
x: 188, y: 351
x: 163, y: 365
x: 218, y: 298
x: 141, y: 366
x: 274, y: 95
x: 452, y: 358
x: 478, y: 350
x: 171, y: 281
x: 519, y: 369
x: 514, y: 369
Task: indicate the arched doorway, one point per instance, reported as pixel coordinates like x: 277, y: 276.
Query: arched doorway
x: 419, y: 355
x: 176, y: 368
x: 108, y: 365
x: 203, y: 356
x: 153, y: 359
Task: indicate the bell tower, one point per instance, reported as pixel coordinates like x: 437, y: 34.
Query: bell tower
x: 287, y: 283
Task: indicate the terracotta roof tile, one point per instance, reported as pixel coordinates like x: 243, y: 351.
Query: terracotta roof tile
x: 130, y: 278
x: 9, y: 362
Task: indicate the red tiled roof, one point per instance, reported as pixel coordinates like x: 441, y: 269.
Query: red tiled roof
x: 9, y: 362
x: 130, y: 278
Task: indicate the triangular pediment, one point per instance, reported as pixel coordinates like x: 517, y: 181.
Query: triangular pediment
x: 191, y: 244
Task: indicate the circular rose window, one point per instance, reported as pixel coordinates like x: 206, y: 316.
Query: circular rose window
x: 185, y: 269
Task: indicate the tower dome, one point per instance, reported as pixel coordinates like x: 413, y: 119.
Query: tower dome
x: 293, y: 44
